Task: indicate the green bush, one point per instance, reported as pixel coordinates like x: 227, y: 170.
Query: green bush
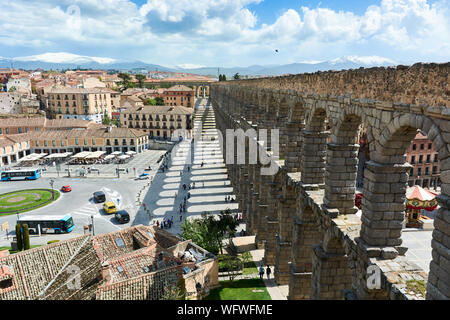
x: 26, y: 237
x: 52, y: 241
x: 19, y: 237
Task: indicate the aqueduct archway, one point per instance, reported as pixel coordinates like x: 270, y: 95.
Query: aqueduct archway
x: 304, y: 215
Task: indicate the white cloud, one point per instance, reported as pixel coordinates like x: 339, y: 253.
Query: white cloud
x: 64, y: 57
x: 220, y: 32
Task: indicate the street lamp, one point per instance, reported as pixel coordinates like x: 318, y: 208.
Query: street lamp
x: 52, y: 182
x: 93, y: 232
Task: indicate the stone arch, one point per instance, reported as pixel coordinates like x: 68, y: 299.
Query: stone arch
x: 342, y: 165
x: 314, y: 146
x: 306, y: 233
x: 283, y: 109
x: 296, y: 111
x: 331, y: 273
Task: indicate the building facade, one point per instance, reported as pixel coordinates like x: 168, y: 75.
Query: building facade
x: 424, y: 158
x: 179, y: 95
x: 10, y: 103
x: 79, y: 103
x: 166, y: 122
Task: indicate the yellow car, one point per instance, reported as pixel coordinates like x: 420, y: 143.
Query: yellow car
x: 109, y: 207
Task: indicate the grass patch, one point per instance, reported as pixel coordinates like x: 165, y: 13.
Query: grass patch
x: 26, y: 200
x: 250, y: 268
x: 240, y: 290
x: 418, y: 286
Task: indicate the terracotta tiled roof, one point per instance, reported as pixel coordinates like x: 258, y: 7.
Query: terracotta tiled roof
x: 179, y: 88
x: 161, y: 110
x: 130, y: 264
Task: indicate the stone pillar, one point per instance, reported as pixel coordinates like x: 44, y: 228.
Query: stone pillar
x: 272, y: 221
x: 305, y: 235
x: 331, y: 275
x: 294, y: 145
x: 383, y: 203
x: 283, y: 255
x: 438, y: 286
x: 340, y: 177
x: 313, y: 157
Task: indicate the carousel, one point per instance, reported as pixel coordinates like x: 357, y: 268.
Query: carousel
x: 418, y: 201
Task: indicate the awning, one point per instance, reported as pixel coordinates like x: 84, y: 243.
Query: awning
x: 81, y: 155
x: 124, y: 157
x: 131, y: 153
x: 116, y: 153
x: 109, y: 157
x: 95, y: 155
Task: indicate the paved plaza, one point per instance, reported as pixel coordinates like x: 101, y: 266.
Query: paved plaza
x: 140, y: 161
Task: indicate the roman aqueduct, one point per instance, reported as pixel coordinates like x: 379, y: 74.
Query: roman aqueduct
x: 304, y: 215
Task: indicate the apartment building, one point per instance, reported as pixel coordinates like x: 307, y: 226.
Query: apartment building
x: 166, y: 122
x: 179, y: 95
x: 424, y: 158
x: 13, y: 125
x: 79, y: 103
x: 108, y: 139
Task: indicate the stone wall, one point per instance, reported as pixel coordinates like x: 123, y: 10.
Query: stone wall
x: 319, y: 116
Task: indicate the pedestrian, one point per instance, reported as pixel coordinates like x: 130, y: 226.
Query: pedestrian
x: 261, y: 272
x: 157, y: 223
x: 268, y: 271
x: 181, y: 218
x: 127, y: 170
x: 226, y: 199
x: 189, y: 195
x: 181, y: 210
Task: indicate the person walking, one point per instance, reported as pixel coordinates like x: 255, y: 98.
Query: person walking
x: 268, y: 271
x: 261, y: 272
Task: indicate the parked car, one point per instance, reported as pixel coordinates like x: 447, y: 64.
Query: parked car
x: 99, y: 197
x: 66, y: 189
x: 109, y: 207
x: 143, y: 176
x: 122, y: 217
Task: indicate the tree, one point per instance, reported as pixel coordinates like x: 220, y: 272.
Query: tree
x: 160, y: 101
x: 141, y: 78
x: 19, y: 237
x: 209, y: 232
x: 126, y: 81
x: 150, y: 102
x: 236, y: 76
x: 106, y: 120
x: 26, y: 237
x: 224, y: 77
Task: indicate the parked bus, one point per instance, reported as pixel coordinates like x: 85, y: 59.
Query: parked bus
x: 24, y: 174
x: 48, y: 224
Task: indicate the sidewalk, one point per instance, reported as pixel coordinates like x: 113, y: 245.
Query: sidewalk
x: 276, y: 292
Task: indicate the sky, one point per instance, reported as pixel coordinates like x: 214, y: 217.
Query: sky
x: 227, y: 33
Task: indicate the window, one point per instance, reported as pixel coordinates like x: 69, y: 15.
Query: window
x: 54, y: 143
x: 124, y: 142
x: 428, y: 158
x: 1, y: 132
x: 45, y: 143
x: 76, y: 141
x: 434, y: 170
x: 20, y: 130
x: 430, y: 146
x: 93, y: 142
x: 7, y: 130
x: 422, y: 146
x: 419, y: 171
x: 435, y: 158
x: 85, y: 142
x: 119, y: 242
x: 411, y: 171
x: 413, y: 159
x: 421, y: 159
x: 427, y: 171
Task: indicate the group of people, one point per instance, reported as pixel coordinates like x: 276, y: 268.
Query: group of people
x: 268, y: 272
x: 229, y: 199
x: 165, y: 224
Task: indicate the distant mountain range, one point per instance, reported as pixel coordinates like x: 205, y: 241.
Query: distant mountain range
x: 63, y: 60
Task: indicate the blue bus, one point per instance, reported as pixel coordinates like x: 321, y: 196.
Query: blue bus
x: 48, y: 224
x: 24, y: 174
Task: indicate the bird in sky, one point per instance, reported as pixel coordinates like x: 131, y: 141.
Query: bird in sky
x: 276, y: 50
